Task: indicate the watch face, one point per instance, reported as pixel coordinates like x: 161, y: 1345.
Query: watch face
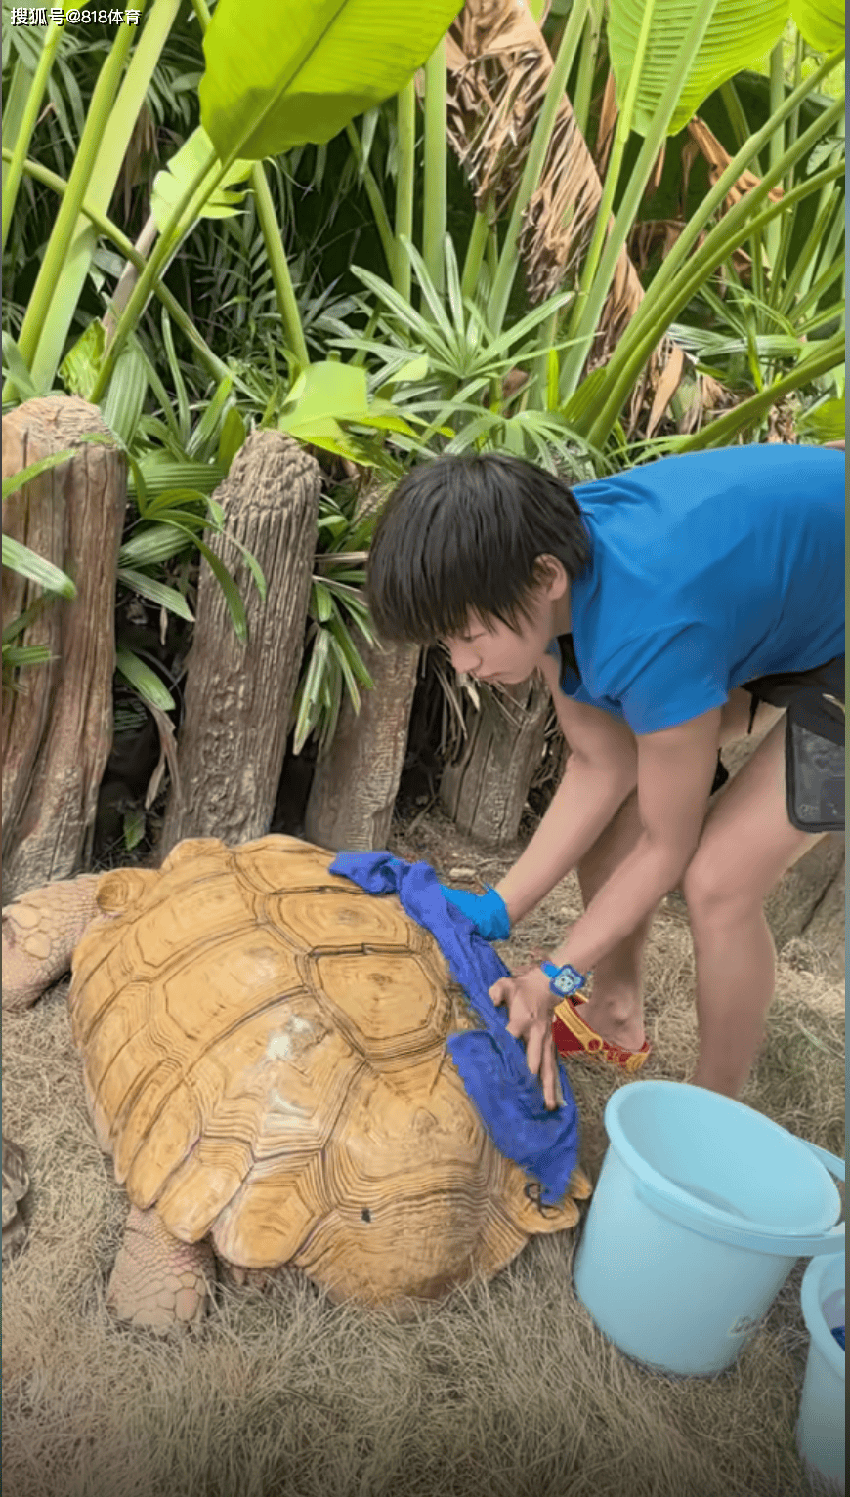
x: 567, y: 981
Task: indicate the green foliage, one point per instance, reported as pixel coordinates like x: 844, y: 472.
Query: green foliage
x: 328, y: 396
x: 116, y: 99
x: 27, y: 563
x: 176, y: 467
x: 36, y: 568
x: 143, y: 680
x: 445, y: 367
x: 169, y: 185
x: 745, y: 341
x: 689, y: 265
x: 269, y: 86
x: 170, y: 99
x: 821, y: 22
x: 825, y: 420
x: 337, y: 617
x: 440, y: 359
x: 739, y: 32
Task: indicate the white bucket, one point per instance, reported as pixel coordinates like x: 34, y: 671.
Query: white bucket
x: 701, y: 1210
x: 820, y: 1426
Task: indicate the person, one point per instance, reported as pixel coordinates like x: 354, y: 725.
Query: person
x: 663, y: 607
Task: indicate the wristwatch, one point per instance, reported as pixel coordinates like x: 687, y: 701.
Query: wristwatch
x: 563, y: 981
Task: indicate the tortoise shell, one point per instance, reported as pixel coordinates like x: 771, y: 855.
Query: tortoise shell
x: 264, y: 1056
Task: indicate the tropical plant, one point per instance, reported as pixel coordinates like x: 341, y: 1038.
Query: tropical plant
x: 108, y: 363
x: 446, y: 350
x: 333, y: 663
x: 447, y: 371
x: 510, y: 122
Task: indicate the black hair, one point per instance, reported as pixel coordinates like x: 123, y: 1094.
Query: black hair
x: 463, y: 534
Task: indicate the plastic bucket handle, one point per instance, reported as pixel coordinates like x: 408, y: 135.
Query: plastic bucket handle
x: 678, y: 1206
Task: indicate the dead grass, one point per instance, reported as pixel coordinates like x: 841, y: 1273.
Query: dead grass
x: 505, y: 1390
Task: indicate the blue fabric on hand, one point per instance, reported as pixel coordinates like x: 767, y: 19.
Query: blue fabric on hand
x: 491, y: 1063
x: 487, y: 912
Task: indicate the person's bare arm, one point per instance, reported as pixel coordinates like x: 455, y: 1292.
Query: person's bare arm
x: 675, y: 771
x: 601, y: 771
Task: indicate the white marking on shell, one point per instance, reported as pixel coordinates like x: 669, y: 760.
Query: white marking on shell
x: 290, y: 1042
x: 279, y: 1104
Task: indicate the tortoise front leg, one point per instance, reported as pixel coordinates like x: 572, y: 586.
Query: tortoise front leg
x: 159, y: 1281
x: 40, y: 930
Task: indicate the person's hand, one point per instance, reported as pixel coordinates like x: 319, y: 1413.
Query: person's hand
x: 487, y: 912
x: 530, y: 1003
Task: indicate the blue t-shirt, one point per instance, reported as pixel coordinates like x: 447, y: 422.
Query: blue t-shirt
x: 707, y: 570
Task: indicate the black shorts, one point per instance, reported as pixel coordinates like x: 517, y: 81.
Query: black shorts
x: 814, y: 699
x: 814, y: 742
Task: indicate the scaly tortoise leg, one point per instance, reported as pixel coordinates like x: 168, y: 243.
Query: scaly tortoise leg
x: 40, y: 930
x: 159, y: 1281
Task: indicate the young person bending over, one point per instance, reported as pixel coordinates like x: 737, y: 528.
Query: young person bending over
x: 660, y: 606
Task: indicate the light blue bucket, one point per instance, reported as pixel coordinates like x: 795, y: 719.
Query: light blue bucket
x: 702, y: 1208
x: 820, y: 1426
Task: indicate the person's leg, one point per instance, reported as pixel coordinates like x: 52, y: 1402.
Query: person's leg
x: 615, y: 1006
x: 746, y: 845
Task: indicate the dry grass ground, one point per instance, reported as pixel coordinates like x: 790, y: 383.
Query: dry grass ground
x: 505, y: 1390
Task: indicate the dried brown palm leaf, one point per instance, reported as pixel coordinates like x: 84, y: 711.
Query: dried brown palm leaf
x: 498, y: 68
x: 666, y: 388
x: 654, y: 238
x: 718, y: 158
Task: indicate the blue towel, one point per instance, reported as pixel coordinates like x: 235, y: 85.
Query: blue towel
x: 490, y: 1062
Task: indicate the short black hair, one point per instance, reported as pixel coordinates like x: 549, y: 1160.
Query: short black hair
x: 462, y: 534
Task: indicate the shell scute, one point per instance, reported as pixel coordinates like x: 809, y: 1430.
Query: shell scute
x: 419, y: 1177
x: 171, y: 1136
x: 275, y: 865
x: 270, y: 1217
x: 194, y: 917
x: 324, y: 918
x: 270, y: 1093
x: 389, y: 1007
x: 227, y: 981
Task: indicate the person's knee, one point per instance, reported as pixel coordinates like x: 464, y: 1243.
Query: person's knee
x: 714, y: 892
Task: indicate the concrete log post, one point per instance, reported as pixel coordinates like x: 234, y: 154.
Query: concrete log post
x: 355, y: 785
x: 57, y: 717
x: 239, y: 696
x: 485, y: 790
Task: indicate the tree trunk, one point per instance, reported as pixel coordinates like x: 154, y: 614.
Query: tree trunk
x: 486, y: 790
x: 57, y: 717
x: 239, y: 696
x: 355, y: 785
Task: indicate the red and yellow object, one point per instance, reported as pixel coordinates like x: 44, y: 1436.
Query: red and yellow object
x: 573, y: 1037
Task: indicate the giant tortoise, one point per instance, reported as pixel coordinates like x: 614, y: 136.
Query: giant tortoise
x: 264, y: 1057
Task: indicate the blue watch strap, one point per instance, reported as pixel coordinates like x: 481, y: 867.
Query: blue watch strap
x: 563, y: 981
